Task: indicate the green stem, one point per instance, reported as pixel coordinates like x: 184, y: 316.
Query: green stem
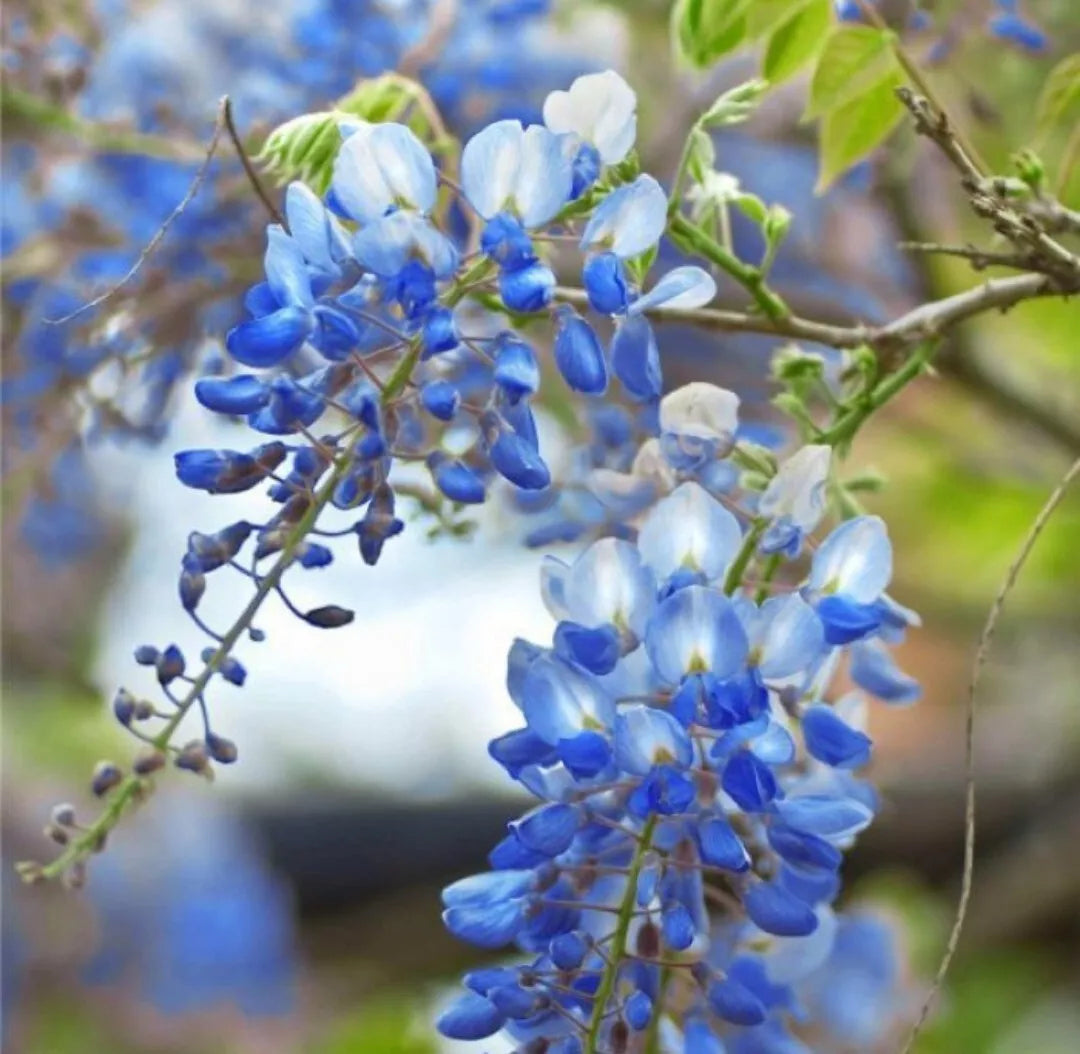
x: 772, y: 565
x: 128, y: 790
x: 749, y: 277
x: 844, y: 428
x: 618, y: 943
x: 733, y: 579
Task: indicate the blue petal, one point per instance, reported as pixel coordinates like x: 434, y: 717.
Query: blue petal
x: 578, y: 354
x: 749, y: 782
x: 776, y: 911
x: 560, y: 702
x: 690, y: 529
x: 471, y: 1016
x: 516, y: 370
x: 528, y: 288
x: 548, y: 829
x: 585, y: 755
x: 646, y: 737
x: 487, y: 925
x: 788, y: 636
x: 595, y: 649
x: 487, y: 888
x: 606, y: 285
x: 845, y: 621
x: 736, y: 1004
x: 826, y: 816
x: 804, y: 851
x: 441, y: 399
x: 684, y: 287
x: 696, y: 630
x: 232, y: 395
x: 872, y: 668
x: 678, y: 927
x: 629, y: 220
x: 720, y: 845
x: 832, y: 740
x: 774, y: 746
x: 635, y: 358
x: 456, y: 480
x: 269, y: 340
x: 386, y: 245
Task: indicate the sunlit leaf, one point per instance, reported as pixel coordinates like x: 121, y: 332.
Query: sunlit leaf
x: 855, y: 59
x: 1059, y: 100
x: 796, y: 41
x: 852, y: 131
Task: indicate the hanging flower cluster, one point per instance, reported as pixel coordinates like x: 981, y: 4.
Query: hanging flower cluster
x: 113, y: 372
x: 696, y: 779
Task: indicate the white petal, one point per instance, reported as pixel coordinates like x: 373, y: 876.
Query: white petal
x: 609, y: 583
x: 545, y: 176
x: 684, y: 287
x: 599, y: 107
x: 701, y: 410
x: 689, y: 528
x: 798, y: 489
x: 629, y: 220
x: 489, y: 166
x: 855, y: 560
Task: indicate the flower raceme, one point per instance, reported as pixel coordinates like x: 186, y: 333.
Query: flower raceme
x: 371, y: 347
x: 695, y: 785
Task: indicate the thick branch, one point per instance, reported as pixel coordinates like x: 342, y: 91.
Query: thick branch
x: 919, y: 324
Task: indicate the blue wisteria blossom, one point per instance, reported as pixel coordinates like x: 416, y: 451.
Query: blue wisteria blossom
x: 696, y: 777
x: 135, y: 68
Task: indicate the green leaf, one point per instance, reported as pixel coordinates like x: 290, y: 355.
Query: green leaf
x: 853, y: 130
x: 706, y: 30
x: 855, y: 58
x: 765, y: 15
x: 1060, y: 97
x: 797, y: 41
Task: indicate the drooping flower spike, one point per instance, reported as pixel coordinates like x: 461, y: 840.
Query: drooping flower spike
x: 684, y: 751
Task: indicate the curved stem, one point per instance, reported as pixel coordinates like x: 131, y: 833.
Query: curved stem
x: 618, y: 942
x: 749, y: 277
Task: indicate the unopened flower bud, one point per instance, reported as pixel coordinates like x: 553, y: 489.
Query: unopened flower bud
x: 63, y: 814
x: 648, y: 941
x: 124, y: 706
x: 221, y: 749
x: 106, y: 776
x: 329, y: 617
x: 58, y: 834
x: 148, y: 761
x: 193, y: 757
x: 170, y: 664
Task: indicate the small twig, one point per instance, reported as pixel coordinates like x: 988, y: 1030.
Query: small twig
x: 978, y: 258
x: 155, y: 241
x: 249, y: 168
x: 969, y: 741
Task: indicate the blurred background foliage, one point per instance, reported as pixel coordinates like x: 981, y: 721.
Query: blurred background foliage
x: 306, y: 917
